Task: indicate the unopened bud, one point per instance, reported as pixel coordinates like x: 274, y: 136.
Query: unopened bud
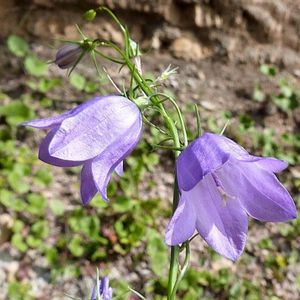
x: 68, y: 55
x: 142, y: 101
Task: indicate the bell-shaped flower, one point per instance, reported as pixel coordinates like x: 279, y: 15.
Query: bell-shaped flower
x: 98, y: 134
x: 220, y: 184
x: 103, y: 291
x: 68, y: 55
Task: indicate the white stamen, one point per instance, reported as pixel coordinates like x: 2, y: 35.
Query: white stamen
x: 225, y: 197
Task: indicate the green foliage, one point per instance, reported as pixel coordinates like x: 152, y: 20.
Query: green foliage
x: 57, y: 207
x: 17, y: 241
x: 19, y: 291
x: 82, y: 84
x: 258, y: 94
x: 268, y: 70
x: 287, y: 99
x: 35, y: 66
x: 67, y: 234
x: 17, y: 45
x: 44, y: 85
x: 77, y: 81
x: 157, y: 252
x: 16, y: 112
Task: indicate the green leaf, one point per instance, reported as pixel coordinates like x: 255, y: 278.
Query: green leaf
x: 36, y: 204
x: 46, y: 102
x: 75, y: 246
x: 16, y: 112
x: 90, y: 225
x: 33, y: 242
x: 246, y: 122
x: 43, y: 177
x: 157, y: 252
x: 6, y: 198
x: 46, y: 84
x: 52, y: 255
x: 57, y: 207
x: 35, y: 66
x: 150, y: 160
x: 258, y: 94
x: 122, y: 204
x: 16, y: 181
x: 77, y: 81
x: 282, y: 103
x: 40, y: 229
x: 268, y: 70
x: 287, y: 91
x: 91, y: 87
x: 18, y: 242
x: 17, y: 226
x: 17, y: 45
x: 18, y: 291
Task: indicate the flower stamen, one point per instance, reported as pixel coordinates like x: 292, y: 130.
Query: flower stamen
x: 225, y: 197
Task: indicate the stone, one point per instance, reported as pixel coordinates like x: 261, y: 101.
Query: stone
x: 189, y: 49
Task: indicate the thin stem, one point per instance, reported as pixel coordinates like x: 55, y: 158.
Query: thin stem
x: 182, y: 272
x: 168, y: 147
x: 173, y: 269
x: 154, y: 126
x: 107, y: 10
x: 199, y: 128
x: 137, y: 293
x: 115, y: 60
x: 181, y: 121
x: 111, y: 81
x: 174, y: 276
x: 224, y: 127
x: 195, y: 235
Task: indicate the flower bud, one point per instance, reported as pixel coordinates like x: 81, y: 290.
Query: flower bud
x: 68, y: 55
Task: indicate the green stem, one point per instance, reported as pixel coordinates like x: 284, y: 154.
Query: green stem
x: 174, y: 276
x: 178, y: 111
x: 174, y: 264
x: 182, y: 272
x: 173, y: 270
x: 173, y: 280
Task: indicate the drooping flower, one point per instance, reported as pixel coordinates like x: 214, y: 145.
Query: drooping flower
x: 220, y: 184
x: 68, y: 55
x: 98, y: 134
x: 105, y: 291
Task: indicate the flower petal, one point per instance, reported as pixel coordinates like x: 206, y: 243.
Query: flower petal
x: 119, y: 169
x: 47, y: 158
x: 200, y: 158
x: 68, y: 55
x: 47, y: 123
x: 52, y: 122
x: 90, y: 131
x: 223, y: 224
x: 105, y: 163
x: 262, y: 195
x: 182, y: 224
x: 209, y: 152
x: 88, y: 188
x: 272, y: 164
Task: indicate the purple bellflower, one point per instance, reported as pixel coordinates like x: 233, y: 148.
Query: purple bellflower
x: 98, y: 134
x: 220, y: 184
x: 105, y: 291
x: 68, y: 55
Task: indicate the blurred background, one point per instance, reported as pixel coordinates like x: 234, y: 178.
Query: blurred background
x: 238, y: 60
